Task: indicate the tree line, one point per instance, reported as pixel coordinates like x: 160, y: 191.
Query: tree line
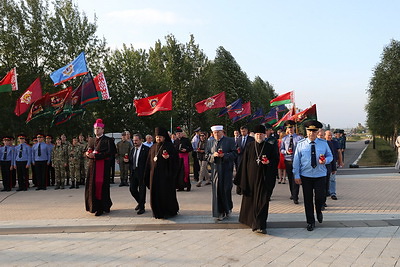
x: 38, y: 37
x: 384, y: 94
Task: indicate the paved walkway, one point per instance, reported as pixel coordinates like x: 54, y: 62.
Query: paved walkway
x: 52, y: 228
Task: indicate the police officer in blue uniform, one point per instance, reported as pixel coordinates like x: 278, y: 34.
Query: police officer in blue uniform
x: 288, y: 148
x: 40, y: 159
x: 309, y: 170
x: 6, y: 163
x: 22, y: 162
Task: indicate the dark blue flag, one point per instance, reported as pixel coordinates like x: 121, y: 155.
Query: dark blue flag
x: 235, y: 106
x: 256, y: 115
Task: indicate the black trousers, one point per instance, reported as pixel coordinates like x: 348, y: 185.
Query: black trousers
x: 313, y: 187
x: 6, y: 174
x: 294, y: 188
x: 137, y: 189
x: 50, y: 175
x: 196, y: 166
x: 40, y: 172
x: 22, y: 174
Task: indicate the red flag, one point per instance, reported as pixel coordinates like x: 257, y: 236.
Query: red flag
x: 308, y: 113
x: 33, y: 93
x: 286, y: 117
x: 150, y: 105
x: 217, y: 101
x: 240, y: 114
x: 101, y: 86
x: 9, y: 82
x: 283, y: 99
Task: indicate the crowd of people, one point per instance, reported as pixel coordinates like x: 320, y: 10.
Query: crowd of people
x: 253, y: 161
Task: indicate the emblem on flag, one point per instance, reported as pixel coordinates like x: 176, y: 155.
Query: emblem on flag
x: 68, y: 70
x: 37, y: 109
x: 209, y: 102
x: 153, y: 102
x: 26, y: 97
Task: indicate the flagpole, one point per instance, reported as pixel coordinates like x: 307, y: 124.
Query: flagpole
x: 171, y: 126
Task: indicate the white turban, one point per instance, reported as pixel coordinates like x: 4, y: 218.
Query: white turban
x: 217, y: 128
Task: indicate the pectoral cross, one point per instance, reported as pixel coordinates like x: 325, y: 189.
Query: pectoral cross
x: 258, y: 161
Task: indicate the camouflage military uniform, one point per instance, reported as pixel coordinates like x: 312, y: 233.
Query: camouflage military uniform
x: 123, y: 149
x: 84, y: 163
x: 59, y: 158
x: 75, y: 158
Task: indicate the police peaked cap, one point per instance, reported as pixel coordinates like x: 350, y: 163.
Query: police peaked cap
x: 289, y: 123
x: 312, y: 125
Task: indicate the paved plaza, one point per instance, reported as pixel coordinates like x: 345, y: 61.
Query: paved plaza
x: 50, y: 228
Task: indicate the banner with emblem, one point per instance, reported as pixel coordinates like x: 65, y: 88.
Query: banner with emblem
x: 101, y: 86
x: 240, y: 114
x: 150, y: 105
x: 307, y: 114
x: 9, y: 82
x: 76, y: 68
x: 33, y: 93
x: 39, y: 108
x: 216, y: 101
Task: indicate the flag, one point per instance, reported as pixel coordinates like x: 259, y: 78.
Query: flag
x: 256, y: 115
x: 39, y: 108
x: 76, y: 68
x: 57, y: 99
x: 150, y: 105
x: 216, y: 101
x: 286, y: 117
x: 101, y: 86
x: 240, y: 114
x: 9, y: 82
x: 307, y: 114
x: 33, y: 93
x: 87, y: 90
x: 237, y: 105
x: 64, y: 117
x: 271, y: 117
x: 283, y: 99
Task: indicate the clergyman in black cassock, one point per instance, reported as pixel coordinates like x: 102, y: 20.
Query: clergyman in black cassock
x: 255, y: 180
x: 97, y: 189
x: 161, y: 174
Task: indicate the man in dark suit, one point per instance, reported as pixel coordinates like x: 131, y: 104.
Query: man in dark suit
x: 242, y: 141
x: 137, y: 164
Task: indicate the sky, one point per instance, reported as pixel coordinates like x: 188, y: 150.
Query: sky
x: 324, y: 51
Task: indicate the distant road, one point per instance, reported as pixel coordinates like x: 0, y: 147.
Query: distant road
x: 352, y: 152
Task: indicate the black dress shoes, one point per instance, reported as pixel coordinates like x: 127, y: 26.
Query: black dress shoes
x: 295, y: 201
x: 98, y: 213
x: 141, y: 211
x: 334, y: 197
x: 320, y: 217
x: 310, y: 226
x: 137, y: 207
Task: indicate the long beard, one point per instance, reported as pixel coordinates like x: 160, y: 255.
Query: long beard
x: 259, y: 140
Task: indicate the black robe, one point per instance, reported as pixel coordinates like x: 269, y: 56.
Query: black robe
x: 256, y: 183
x: 222, y: 174
x: 160, y: 178
x: 97, y: 194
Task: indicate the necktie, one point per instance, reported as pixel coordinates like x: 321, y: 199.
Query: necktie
x: 291, y: 143
x: 20, y: 151
x: 313, y: 156
x: 39, y: 153
x: 5, y: 153
x: 134, y: 158
x: 244, y: 141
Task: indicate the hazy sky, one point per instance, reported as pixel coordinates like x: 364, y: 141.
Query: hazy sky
x: 323, y: 50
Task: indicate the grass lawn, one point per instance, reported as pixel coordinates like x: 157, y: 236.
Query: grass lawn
x: 382, y: 155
